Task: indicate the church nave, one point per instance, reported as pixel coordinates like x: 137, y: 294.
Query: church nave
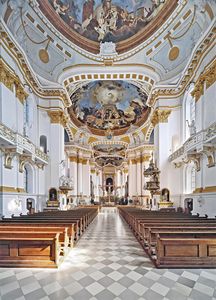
x: 107, y: 263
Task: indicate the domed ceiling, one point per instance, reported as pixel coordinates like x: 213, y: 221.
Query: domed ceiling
x: 89, y: 22
x: 108, y: 105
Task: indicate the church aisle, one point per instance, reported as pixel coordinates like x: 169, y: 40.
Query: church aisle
x: 107, y: 263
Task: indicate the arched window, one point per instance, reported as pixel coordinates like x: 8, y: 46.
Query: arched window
x: 193, y: 179
x: 189, y: 112
x: 28, y: 180
x: 43, y: 143
x: 190, y: 179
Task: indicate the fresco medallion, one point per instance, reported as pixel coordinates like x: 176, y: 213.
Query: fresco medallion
x: 115, y: 105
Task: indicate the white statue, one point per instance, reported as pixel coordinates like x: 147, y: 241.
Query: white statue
x: 192, y: 127
x: 66, y: 181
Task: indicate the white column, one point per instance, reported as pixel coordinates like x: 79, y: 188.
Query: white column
x: 56, y: 153
x: 132, y: 178
x: 139, y: 174
x: 86, y: 179
x: 73, y: 174
x: 80, y: 176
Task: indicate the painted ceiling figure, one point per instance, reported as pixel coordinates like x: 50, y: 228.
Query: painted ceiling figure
x: 109, y: 21
x: 109, y: 104
x: 88, y: 10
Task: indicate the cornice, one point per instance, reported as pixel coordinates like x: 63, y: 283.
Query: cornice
x: 205, y: 80
x: 11, y: 80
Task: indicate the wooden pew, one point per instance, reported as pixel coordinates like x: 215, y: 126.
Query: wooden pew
x: 26, y: 249
x: 145, y: 227
x: 184, y: 232
x: 63, y: 233
x: 72, y: 227
x: 184, y: 252
x: 149, y: 226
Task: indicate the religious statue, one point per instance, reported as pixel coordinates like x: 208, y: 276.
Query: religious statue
x: 109, y: 188
x: 165, y: 195
x: 192, y: 127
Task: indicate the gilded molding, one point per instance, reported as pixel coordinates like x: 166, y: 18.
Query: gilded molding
x: 58, y: 117
x: 20, y: 91
x: 11, y: 80
x: 207, y: 77
x: 160, y: 116
x: 6, y: 76
x: 207, y: 189
x: 73, y: 159
x: 146, y: 158
x: 10, y: 189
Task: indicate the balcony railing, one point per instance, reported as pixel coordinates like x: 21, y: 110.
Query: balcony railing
x: 200, y: 138
x: 21, y: 144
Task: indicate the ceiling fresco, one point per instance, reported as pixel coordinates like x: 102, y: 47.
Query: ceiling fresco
x: 109, y: 148
x: 109, y: 105
x: 107, y: 20
x: 103, y: 161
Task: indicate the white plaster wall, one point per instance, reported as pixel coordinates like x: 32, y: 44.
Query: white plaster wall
x: 8, y: 104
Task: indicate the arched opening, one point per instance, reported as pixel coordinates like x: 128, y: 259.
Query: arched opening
x: 189, y: 112
x: 188, y: 205
x: 109, y: 184
x: 190, y: 179
x: 43, y: 143
x: 28, y: 180
x: 30, y: 205
x: 66, y: 137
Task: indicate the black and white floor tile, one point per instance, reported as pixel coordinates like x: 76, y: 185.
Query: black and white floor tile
x: 107, y: 263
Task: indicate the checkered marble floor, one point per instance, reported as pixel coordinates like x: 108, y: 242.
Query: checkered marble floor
x: 107, y: 263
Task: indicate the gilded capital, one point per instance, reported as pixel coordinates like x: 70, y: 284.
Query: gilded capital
x: 57, y: 117
x: 160, y: 116
x: 6, y: 76
x: 208, y: 77
x: 20, y: 91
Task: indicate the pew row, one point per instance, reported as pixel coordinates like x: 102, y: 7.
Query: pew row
x: 161, y: 233
x: 42, y: 239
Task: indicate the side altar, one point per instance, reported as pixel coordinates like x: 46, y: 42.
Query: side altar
x: 165, y: 200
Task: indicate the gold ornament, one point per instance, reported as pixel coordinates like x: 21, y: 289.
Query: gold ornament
x: 174, y: 53
x: 44, y: 55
